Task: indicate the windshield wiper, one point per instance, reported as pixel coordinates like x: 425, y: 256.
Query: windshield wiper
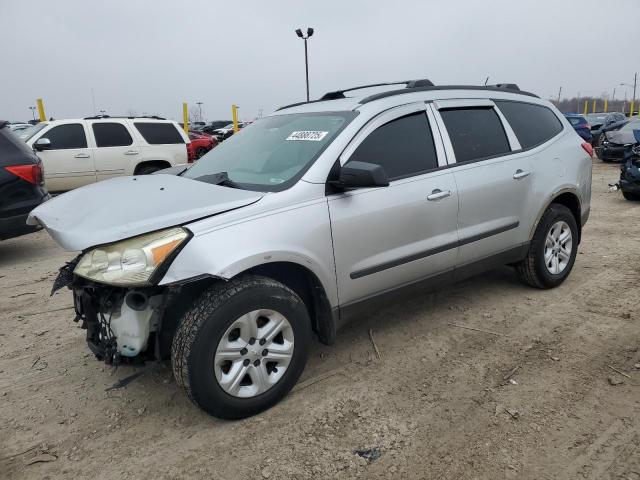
x: 220, y: 178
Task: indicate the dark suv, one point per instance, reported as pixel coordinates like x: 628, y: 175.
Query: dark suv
x: 21, y: 184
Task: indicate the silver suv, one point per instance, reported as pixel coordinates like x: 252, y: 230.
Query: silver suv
x: 284, y: 231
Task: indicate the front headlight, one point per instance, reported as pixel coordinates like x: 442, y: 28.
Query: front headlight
x: 130, y: 262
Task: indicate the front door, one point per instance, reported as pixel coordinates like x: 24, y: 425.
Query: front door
x: 68, y: 163
x: 387, y: 237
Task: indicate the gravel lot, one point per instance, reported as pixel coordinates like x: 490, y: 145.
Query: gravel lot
x: 537, y: 401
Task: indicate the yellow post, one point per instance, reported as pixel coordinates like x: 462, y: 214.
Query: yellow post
x: 185, y: 118
x: 586, y: 106
x: 631, y: 108
x: 43, y: 117
x: 594, y: 106
x: 606, y: 105
x: 234, y: 114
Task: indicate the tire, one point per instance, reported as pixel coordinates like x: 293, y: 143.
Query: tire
x: 211, y: 323
x: 148, y: 169
x: 200, y: 152
x: 533, y: 270
x: 631, y: 196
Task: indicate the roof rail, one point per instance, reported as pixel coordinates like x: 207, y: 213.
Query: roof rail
x: 409, y: 84
x: 502, y: 87
x: 338, y: 94
x: 412, y: 86
x: 98, y: 117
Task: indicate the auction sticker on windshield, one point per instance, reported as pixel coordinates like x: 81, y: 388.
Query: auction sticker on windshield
x: 308, y: 135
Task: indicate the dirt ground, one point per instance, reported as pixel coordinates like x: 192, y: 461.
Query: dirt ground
x: 536, y: 400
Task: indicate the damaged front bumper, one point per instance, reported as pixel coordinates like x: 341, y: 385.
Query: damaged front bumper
x: 630, y: 176
x: 122, y: 324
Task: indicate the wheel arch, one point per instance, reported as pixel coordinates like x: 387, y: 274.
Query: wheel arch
x: 569, y: 198
x: 306, y: 284
x: 151, y: 163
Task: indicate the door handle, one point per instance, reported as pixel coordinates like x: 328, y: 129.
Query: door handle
x: 130, y: 152
x: 81, y: 155
x: 437, y: 194
x: 520, y: 174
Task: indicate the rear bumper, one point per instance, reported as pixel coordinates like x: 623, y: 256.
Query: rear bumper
x: 16, y: 226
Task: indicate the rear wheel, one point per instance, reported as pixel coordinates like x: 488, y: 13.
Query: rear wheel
x: 200, y: 152
x: 630, y: 196
x: 242, y: 346
x: 553, y: 249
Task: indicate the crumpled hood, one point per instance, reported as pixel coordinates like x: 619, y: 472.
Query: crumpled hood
x: 621, y: 137
x: 124, y: 207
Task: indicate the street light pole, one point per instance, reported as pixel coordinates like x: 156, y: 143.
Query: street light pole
x: 306, y: 53
x: 199, y: 110
x: 33, y: 112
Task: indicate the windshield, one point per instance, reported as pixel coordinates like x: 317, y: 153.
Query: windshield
x: 29, y: 132
x: 274, y: 152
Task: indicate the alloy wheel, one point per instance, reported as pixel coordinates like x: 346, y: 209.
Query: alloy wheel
x: 557, y: 247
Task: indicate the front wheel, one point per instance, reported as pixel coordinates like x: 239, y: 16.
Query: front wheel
x: 553, y: 249
x: 630, y: 196
x: 242, y: 346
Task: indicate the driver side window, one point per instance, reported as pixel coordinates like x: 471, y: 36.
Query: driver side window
x: 64, y: 137
x: 404, y: 147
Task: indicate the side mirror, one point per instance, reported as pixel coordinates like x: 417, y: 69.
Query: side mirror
x: 361, y: 175
x: 42, y: 144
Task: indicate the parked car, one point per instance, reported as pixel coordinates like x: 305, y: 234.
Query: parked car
x: 21, y: 184
x: 200, y: 144
x: 615, y: 142
x: 222, y: 134
x: 580, y: 125
x: 604, y: 122
x: 629, y: 182
x: 216, y: 124
x: 78, y: 152
x: 311, y: 214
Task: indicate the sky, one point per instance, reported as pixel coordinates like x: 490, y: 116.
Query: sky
x: 147, y: 57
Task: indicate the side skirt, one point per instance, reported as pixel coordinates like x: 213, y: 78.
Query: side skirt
x: 349, y: 312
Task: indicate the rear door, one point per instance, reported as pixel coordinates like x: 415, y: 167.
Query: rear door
x: 163, y: 141
x: 69, y: 162
x: 391, y: 236
x: 114, y: 150
x: 493, y: 184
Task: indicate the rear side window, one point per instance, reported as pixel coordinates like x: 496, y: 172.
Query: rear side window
x: 475, y: 133
x: 159, y: 133
x: 573, y: 121
x: 403, y: 147
x: 68, y: 136
x: 532, y: 124
x: 111, y: 135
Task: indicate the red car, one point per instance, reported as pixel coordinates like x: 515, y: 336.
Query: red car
x: 200, y: 144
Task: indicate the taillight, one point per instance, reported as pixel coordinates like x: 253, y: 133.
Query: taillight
x: 30, y: 173
x: 588, y: 148
x: 587, y: 125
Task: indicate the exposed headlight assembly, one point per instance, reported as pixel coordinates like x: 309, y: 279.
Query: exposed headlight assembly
x: 130, y: 262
